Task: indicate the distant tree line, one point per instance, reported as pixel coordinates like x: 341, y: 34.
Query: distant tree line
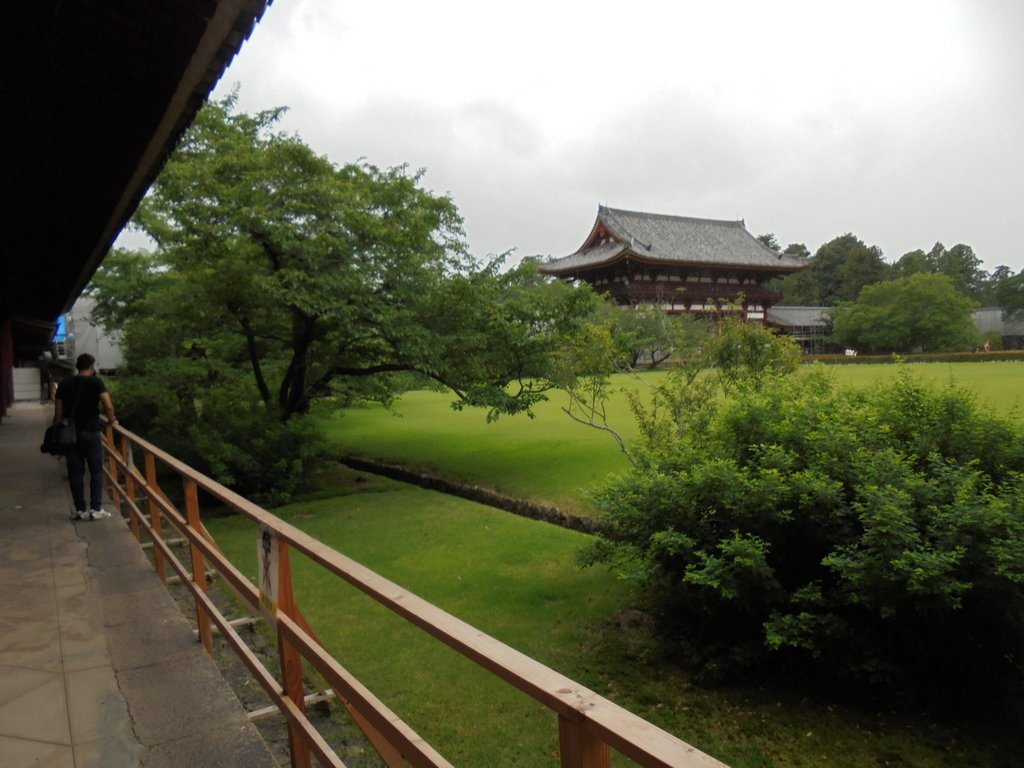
x: 845, y: 265
x: 923, y: 301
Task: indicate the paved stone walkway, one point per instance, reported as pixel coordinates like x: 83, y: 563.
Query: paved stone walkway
x: 98, y: 667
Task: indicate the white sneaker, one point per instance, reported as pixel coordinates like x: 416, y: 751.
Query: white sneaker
x: 79, y: 515
x: 98, y: 514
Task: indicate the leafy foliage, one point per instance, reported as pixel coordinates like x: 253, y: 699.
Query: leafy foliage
x: 613, y: 341
x: 746, y: 354
x: 728, y: 354
x: 644, y: 334
x: 923, y: 312
x: 960, y: 265
x: 841, y: 268
x: 281, y: 280
x: 844, y: 266
x: 1010, y: 294
x: 873, y: 537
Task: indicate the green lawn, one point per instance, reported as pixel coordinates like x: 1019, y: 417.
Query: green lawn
x: 549, y: 458
x: 513, y: 578
x: 999, y: 385
x: 553, y: 459
x: 517, y: 580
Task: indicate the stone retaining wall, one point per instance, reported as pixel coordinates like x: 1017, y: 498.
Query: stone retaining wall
x: 521, y: 507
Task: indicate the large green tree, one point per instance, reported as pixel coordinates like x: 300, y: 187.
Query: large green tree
x: 921, y: 312
x: 844, y: 265
x: 280, y: 279
x: 1009, y: 293
x: 644, y: 335
x: 840, y: 269
x: 988, y: 294
x: 961, y: 265
x: 799, y: 288
x: 912, y: 263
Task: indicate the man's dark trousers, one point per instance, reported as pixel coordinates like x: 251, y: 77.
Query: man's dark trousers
x: 89, y: 451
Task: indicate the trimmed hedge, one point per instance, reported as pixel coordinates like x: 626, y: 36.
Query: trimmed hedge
x: 931, y: 357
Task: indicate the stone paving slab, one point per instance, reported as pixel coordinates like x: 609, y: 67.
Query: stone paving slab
x: 98, y: 667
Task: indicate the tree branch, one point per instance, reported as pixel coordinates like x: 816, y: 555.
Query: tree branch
x: 603, y: 427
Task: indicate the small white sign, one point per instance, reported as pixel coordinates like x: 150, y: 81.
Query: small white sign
x: 266, y: 558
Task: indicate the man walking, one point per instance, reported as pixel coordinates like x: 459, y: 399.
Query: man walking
x: 79, y: 398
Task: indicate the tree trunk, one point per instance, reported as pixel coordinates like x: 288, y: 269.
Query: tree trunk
x: 293, y: 397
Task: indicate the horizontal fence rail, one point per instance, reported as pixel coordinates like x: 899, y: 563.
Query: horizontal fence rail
x: 589, y: 725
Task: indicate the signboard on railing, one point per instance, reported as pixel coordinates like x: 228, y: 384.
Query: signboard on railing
x: 267, y: 559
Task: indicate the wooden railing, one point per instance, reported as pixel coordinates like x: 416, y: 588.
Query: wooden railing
x: 589, y: 726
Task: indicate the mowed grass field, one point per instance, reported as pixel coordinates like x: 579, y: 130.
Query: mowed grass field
x: 517, y: 580
x: 512, y: 578
x: 553, y: 459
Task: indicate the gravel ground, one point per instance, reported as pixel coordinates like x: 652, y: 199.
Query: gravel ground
x: 329, y: 718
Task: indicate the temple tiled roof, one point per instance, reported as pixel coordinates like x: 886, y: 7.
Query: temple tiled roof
x: 658, y: 238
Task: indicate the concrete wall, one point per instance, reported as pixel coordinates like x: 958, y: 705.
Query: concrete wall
x: 27, y: 384
x: 990, y: 320
x: 84, y: 336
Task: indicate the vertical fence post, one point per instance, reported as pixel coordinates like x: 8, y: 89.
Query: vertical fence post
x: 129, y: 485
x: 291, y: 659
x: 115, y: 494
x: 578, y: 749
x: 198, y: 561
x: 155, y: 519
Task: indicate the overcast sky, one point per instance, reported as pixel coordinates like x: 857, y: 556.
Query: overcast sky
x: 901, y: 121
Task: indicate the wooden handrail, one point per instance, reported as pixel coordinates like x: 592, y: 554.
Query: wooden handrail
x: 589, y: 725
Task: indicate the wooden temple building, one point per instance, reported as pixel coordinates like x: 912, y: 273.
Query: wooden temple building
x: 683, y: 264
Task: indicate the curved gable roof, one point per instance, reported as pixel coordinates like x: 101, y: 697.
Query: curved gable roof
x: 658, y: 238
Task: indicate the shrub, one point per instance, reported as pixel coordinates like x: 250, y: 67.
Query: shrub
x: 226, y: 433
x: 247, y: 447
x: 873, y: 537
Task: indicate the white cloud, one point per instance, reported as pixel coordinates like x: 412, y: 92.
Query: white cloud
x: 898, y: 121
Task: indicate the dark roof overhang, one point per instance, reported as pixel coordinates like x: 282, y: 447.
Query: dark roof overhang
x: 590, y: 261
x: 96, y: 93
